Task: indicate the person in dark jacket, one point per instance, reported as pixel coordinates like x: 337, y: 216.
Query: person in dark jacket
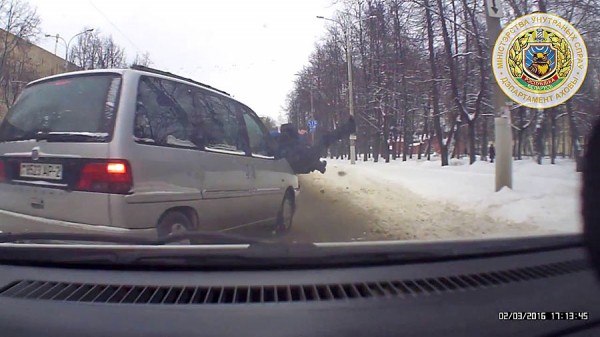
x: 492, y: 152
x: 304, y: 158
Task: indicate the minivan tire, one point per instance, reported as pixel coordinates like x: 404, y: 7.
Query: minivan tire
x: 174, y: 222
x: 285, y: 215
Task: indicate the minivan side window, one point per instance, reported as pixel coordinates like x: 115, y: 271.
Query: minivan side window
x: 160, y: 117
x: 220, y: 124
x: 170, y: 113
x: 257, y: 134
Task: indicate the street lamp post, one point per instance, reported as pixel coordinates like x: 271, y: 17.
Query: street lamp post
x: 57, y: 36
x: 350, y: 87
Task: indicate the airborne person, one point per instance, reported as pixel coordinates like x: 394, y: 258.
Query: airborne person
x: 304, y: 158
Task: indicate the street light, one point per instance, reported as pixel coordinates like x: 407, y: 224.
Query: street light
x: 57, y: 36
x: 350, y: 88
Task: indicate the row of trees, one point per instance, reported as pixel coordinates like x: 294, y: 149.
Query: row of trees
x: 422, y: 76
x: 94, y: 50
x: 20, y: 29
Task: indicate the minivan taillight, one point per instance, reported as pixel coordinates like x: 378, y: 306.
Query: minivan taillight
x: 2, y: 171
x: 113, y: 176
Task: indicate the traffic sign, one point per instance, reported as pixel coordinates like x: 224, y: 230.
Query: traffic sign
x: 312, y: 124
x: 494, y: 8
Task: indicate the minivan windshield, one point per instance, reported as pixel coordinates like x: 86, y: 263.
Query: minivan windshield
x: 77, y: 105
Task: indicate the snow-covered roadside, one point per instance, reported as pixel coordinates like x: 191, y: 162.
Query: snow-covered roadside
x: 460, y: 198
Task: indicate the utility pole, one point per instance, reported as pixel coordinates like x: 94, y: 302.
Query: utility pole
x: 56, y: 44
x: 502, y: 123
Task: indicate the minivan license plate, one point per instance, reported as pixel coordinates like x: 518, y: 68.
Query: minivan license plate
x: 47, y: 171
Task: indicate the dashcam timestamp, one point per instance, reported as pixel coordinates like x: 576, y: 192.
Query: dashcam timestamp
x: 543, y: 315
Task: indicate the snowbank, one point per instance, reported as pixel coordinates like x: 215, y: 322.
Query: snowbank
x: 544, y: 198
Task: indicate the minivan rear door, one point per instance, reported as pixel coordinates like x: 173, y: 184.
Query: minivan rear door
x: 53, y: 130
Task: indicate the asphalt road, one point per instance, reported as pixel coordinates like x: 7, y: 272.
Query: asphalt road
x: 322, y: 216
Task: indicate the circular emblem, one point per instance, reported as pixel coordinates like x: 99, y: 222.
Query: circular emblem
x: 539, y: 60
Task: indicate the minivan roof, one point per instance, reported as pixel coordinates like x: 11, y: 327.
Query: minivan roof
x: 81, y: 72
x: 122, y: 71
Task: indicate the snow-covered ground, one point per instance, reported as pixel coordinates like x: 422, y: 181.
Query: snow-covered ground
x: 422, y: 200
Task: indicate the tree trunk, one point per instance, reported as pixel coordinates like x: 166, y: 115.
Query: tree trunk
x: 472, y: 157
x: 434, y: 86
x: 428, y: 150
x: 405, y: 143
x: 366, y: 148
x: 519, y: 144
x: 456, y: 153
x: 386, y: 137
x: 376, y: 147
x: 574, y: 136
x: 539, y: 135
x: 564, y: 138
x: 484, y: 138
x: 425, y: 133
x: 520, y: 132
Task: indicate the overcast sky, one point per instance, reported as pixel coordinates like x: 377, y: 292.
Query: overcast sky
x: 249, y: 48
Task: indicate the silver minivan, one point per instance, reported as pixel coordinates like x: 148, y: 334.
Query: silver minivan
x: 138, y: 152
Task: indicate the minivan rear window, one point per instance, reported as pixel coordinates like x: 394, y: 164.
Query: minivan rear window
x: 77, y: 108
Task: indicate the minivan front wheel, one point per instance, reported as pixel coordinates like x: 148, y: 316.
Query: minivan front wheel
x: 174, y: 222
x: 285, y: 215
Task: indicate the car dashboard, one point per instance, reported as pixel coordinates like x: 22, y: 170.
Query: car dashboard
x: 532, y: 292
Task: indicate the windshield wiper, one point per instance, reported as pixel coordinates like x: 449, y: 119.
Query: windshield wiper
x: 194, y: 237
x: 70, y: 136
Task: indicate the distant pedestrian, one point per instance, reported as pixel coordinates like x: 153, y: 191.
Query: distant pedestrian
x: 492, y: 152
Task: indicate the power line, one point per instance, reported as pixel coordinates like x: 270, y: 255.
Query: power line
x: 115, y: 27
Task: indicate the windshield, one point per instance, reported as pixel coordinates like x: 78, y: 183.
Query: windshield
x: 73, y: 105
x: 296, y: 122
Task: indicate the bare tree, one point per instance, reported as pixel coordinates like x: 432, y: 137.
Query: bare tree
x: 21, y: 21
x: 17, y: 72
x: 142, y: 60
x: 20, y: 24
x: 85, y: 53
x: 111, y: 55
x: 94, y: 51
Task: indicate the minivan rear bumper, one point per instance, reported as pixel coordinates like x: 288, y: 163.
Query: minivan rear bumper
x: 20, y: 223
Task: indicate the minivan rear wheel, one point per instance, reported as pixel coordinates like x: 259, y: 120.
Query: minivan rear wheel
x: 285, y: 215
x: 174, y: 222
